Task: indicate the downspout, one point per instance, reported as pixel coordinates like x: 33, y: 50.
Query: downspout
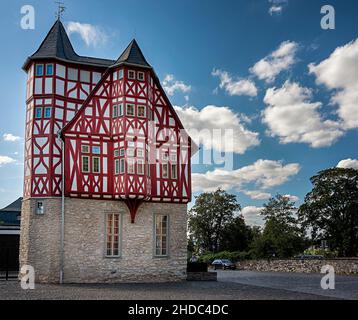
x: 62, y: 241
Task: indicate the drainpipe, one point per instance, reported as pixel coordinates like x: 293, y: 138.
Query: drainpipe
x: 62, y: 241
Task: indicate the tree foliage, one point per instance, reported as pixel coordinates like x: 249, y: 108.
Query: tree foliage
x: 330, y: 210
x: 282, y: 236
x: 209, y: 217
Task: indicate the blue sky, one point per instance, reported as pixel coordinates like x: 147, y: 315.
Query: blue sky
x: 250, y: 65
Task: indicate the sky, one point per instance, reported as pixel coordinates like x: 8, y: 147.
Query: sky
x: 263, y: 74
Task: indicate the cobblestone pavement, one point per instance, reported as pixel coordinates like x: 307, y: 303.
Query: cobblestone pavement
x: 222, y: 290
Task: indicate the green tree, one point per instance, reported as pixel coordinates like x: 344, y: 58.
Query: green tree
x: 330, y: 210
x: 236, y: 236
x: 282, y: 236
x: 210, y: 215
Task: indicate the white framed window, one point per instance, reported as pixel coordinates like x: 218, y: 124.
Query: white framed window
x: 165, y: 173
x: 174, y: 171
x: 121, y: 74
x: 96, y: 165
x: 161, y: 235
x: 131, y: 75
x: 113, y: 227
x: 47, y: 112
x: 120, y: 110
x: 40, y: 208
x: 140, y: 167
x: 122, y: 166
x: 115, y: 111
x: 122, y: 152
x: 85, y: 164
x: 131, y: 166
x: 140, y: 76
x: 130, y: 110
x: 141, y: 112
x: 39, y: 70
x: 130, y: 152
x: 116, y: 153
x: 116, y: 166
x: 173, y: 157
x: 49, y: 70
x: 96, y: 150
x: 165, y: 156
x: 38, y: 113
x: 140, y: 153
x: 85, y: 149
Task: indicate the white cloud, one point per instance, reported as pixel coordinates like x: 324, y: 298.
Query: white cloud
x: 201, y: 123
x: 171, y: 85
x: 263, y: 173
x: 340, y: 73
x: 4, y: 160
x: 348, y: 164
x: 275, y: 10
x: 252, y: 215
x: 292, y: 198
x: 277, y: 6
x: 257, y: 195
x: 280, y: 60
x: 9, y: 137
x: 92, y: 35
x: 291, y: 116
x: 235, y: 87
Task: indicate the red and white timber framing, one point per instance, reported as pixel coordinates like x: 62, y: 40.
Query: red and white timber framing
x: 124, y: 128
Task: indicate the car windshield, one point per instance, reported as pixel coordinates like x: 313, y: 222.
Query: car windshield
x: 226, y: 261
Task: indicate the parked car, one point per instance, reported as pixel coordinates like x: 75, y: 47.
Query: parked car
x: 224, y: 264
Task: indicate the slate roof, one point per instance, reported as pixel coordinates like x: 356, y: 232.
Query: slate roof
x: 13, y: 207
x: 57, y: 45
x: 9, y: 216
x: 133, y: 56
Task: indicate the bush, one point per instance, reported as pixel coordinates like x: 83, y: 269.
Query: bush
x: 322, y: 252
x: 197, y: 267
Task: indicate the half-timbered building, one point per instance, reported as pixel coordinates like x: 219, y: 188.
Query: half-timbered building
x: 107, y: 169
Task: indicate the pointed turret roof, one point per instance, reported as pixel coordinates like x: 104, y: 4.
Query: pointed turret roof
x: 57, y: 45
x: 133, y: 56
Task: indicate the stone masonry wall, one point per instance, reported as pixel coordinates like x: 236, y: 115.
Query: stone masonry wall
x: 85, y: 260
x: 341, y: 266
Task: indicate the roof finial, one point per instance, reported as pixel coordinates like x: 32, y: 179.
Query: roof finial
x: 61, y: 9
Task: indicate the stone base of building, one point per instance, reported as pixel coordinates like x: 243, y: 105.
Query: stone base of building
x: 85, y: 259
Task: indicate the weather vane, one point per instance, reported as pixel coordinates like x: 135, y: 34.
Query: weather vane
x: 61, y: 9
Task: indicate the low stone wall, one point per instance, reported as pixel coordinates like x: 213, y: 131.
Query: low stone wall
x: 341, y: 266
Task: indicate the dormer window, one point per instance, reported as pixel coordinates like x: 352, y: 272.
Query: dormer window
x: 49, y: 70
x: 131, y: 75
x: 141, y: 76
x: 39, y: 70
